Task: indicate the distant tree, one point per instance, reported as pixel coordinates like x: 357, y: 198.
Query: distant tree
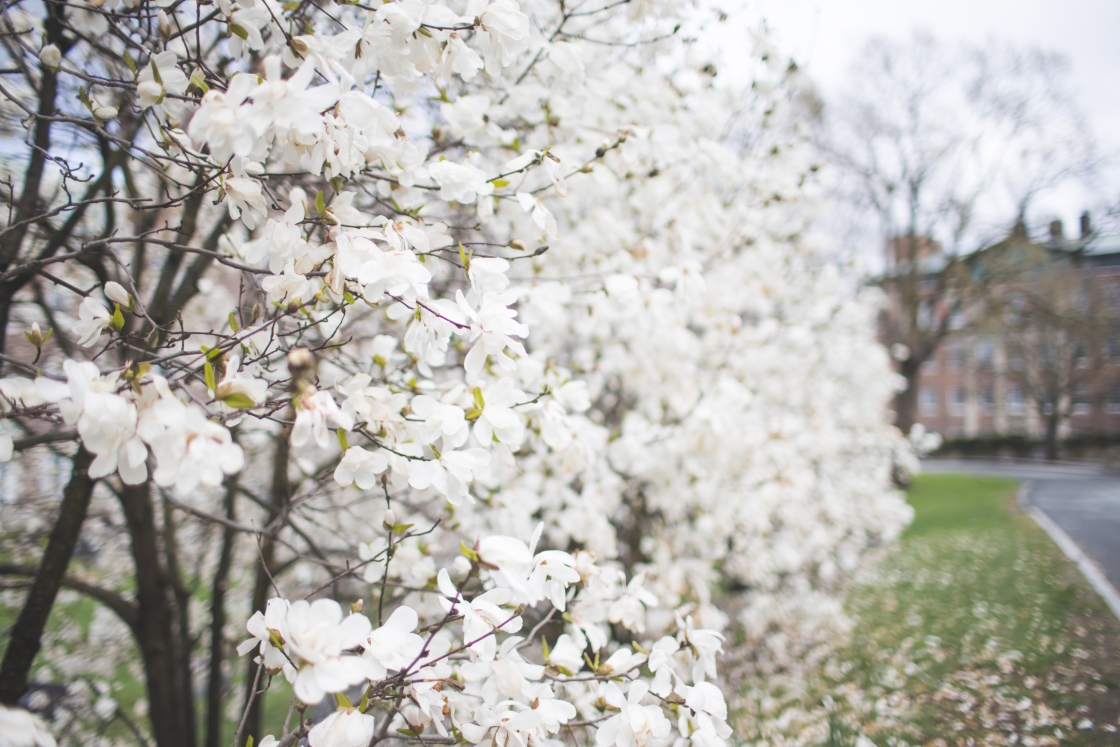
x: 930, y: 136
x: 1055, y: 325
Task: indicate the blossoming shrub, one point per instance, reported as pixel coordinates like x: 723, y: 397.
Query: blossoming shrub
x: 502, y: 318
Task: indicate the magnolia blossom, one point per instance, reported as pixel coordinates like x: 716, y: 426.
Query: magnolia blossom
x: 360, y: 467
x: 460, y: 182
x: 93, y: 317
x: 493, y: 328
x: 348, y: 727
x: 451, y: 473
x: 267, y: 630
x: 190, y: 449
x: 481, y: 615
x: 317, y: 637
x: 159, y: 77
x: 635, y: 724
x: 393, y: 646
x: 21, y: 728
x: 315, y: 412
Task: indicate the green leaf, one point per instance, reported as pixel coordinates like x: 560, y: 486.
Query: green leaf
x: 471, y: 554
x: 499, y: 183
x: 289, y: 5
x: 233, y: 322
x: 249, y: 741
x: 365, y: 699
x: 155, y: 70
x: 348, y: 297
x: 402, y: 528
x: 478, y: 401
x: 50, y: 331
x: 198, y: 81
x: 239, y: 30
x: 131, y: 63
x: 239, y: 401
x: 407, y: 732
x: 464, y: 258
x: 208, y: 375
x: 213, y: 353
x: 320, y: 203
x: 342, y: 440
x: 117, y: 320
x: 544, y: 646
x: 342, y: 700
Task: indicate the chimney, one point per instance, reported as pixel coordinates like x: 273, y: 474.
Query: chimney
x: 1086, y: 225
x: 1056, y: 231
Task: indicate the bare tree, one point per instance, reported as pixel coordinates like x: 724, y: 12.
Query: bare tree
x: 931, y: 137
x: 1055, y: 325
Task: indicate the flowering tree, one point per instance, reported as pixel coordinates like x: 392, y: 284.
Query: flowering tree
x: 275, y: 266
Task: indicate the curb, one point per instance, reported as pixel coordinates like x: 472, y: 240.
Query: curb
x: 1087, y: 567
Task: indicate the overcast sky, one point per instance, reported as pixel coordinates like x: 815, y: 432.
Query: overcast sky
x: 825, y: 35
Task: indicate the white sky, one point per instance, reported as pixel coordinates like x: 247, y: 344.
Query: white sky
x: 825, y: 35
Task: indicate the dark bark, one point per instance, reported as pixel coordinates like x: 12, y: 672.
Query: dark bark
x: 1052, y: 423
x: 214, y: 700
x: 184, y: 643
x: 906, y: 401
x: 27, y: 634
x: 279, y: 496
x: 155, y: 625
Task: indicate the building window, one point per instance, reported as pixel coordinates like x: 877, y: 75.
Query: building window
x: 1016, y: 403
x: 1112, y: 350
x: 1112, y: 401
x: 987, y: 400
x: 956, y: 358
x: 1112, y: 295
x: 1081, y: 400
x: 929, y: 400
x: 956, y: 404
x: 985, y: 355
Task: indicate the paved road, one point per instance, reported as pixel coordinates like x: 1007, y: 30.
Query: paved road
x: 1082, y: 500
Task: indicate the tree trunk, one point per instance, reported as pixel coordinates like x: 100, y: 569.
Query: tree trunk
x: 26, y: 637
x: 279, y: 495
x: 155, y: 626
x: 215, y: 689
x: 906, y: 401
x: 1052, y: 423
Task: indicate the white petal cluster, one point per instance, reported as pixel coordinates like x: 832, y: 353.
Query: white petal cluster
x: 564, y: 355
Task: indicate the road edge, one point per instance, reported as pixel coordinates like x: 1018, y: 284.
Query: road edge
x: 1065, y: 543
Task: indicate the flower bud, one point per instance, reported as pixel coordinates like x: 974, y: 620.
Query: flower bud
x: 116, y: 293
x: 356, y: 607
x: 150, y: 93
x: 105, y: 113
x: 301, y: 366
x: 164, y: 24
x: 50, y: 56
x: 36, y: 334
x: 390, y: 520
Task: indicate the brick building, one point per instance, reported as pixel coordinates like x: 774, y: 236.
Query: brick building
x: 968, y: 387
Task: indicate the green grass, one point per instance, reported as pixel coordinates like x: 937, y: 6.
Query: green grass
x: 956, y: 503
x: 977, y: 630
x: 972, y: 630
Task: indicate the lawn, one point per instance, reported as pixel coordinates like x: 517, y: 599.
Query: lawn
x: 973, y: 630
